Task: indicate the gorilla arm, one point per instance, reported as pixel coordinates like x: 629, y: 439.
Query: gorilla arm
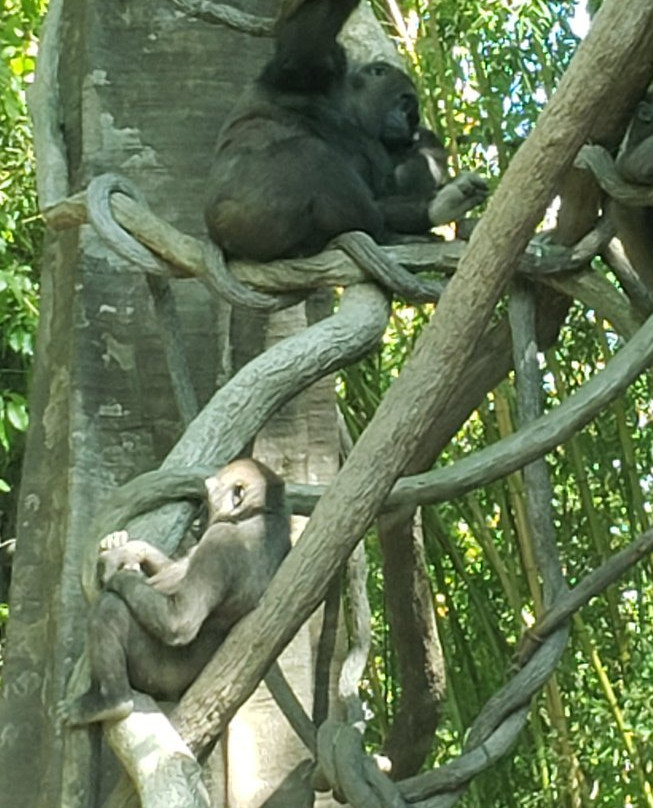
x: 307, y: 57
x: 416, y: 215
x: 175, y: 617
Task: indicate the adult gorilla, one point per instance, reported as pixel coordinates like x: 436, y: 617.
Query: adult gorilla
x: 312, y: 150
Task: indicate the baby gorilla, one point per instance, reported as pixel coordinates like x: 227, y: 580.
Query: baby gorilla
x: 156, y: 633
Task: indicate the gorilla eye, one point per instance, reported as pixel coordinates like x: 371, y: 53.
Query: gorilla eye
x: 237, y: 495
x: 378, y: 69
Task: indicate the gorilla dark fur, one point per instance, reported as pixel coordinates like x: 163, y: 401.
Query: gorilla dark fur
x: 156, y: 633
x: 314, y: 149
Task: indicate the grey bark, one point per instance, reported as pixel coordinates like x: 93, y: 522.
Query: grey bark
x: 142, y: 91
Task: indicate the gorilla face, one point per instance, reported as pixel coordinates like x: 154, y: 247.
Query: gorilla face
x: 383, y: 102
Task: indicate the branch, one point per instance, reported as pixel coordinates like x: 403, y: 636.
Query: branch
x: 161, y: 767
x: 227, y: 15
x: 185, y: 479
x: 509, y: 705
x: 213, y: 273
x: 592, y: 585
x: 599, y: 161
x: 596, y: 292
x: 410, y: 613
x: 360, y: 639
x: 45, y: 109
x: 188, y: 257
x: 386, y: 272
x: 291, y: 707
x: 522, y: 447
x: 614, y: 256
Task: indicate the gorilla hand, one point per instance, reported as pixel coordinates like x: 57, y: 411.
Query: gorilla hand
x: 118, y: 552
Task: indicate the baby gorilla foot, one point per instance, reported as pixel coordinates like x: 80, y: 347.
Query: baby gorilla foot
x: 457, y: 197
x: 112, y: 540
x: 92, y: 708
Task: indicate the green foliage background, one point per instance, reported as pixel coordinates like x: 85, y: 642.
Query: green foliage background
x: 20, y: 240
x: 20, y: 232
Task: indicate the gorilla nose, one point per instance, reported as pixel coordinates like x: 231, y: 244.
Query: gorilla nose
x: 408, y: 102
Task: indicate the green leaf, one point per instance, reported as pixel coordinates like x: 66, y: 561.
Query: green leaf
x: 16, y: 409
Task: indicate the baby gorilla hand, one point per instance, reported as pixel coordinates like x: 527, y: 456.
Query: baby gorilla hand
x: 463, y: 193
x: 118, y: 552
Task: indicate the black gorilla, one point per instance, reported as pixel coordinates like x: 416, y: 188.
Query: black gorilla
x: 314, y: 149
x: 156, y: 633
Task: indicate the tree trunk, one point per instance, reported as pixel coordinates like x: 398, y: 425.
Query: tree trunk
x: 143, y: 90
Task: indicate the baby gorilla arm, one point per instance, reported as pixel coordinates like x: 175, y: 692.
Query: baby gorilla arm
x: 174, y: 619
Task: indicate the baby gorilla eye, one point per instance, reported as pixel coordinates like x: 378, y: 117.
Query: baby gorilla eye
x: 237, y: 495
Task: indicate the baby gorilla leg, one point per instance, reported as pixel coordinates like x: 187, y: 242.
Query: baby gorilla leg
x: 109, y: 697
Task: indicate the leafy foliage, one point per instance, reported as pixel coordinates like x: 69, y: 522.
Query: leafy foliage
x: 20, y: 229
x: 20, y: 237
